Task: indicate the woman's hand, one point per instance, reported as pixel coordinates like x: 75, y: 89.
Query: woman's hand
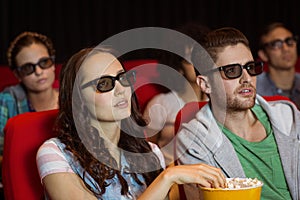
x: 202, y: 174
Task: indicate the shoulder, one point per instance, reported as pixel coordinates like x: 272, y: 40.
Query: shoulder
x: 202, y: 130
x: 297, y: 77
x: 50, y: 159
x: 50, y: 146
x: 263, y: 77
x: 282, y: 105
x: 5, y: 95
x: 169, y: 102
x: 284, y: 108
x: 16, y: 92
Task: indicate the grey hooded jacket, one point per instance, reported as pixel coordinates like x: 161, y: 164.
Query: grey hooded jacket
x: 201, y: 141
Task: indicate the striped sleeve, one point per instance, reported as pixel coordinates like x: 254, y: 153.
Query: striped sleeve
x: 50, y: 160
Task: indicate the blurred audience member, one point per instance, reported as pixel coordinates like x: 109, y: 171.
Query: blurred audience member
x: 278, y: 48
x: 162, y: 109
x: 31, y: 58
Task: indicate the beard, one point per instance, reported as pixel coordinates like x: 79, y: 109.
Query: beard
x: 237, y: 103
x: 234, y: 102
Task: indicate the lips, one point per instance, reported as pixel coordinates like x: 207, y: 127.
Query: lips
x: 246, y: 91
x: 287, y: 57
x: 121, y: 104
x: 42, y: 80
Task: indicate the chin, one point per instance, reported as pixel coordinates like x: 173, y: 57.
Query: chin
x: 248, y: 104
x: 241, y: 104
x: 122, y: 115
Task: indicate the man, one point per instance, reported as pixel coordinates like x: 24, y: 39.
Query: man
x: 238, y: 131
x: 278, y: 48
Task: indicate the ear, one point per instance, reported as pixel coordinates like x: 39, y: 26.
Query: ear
x: 262, y: 55
x: 202, y: 82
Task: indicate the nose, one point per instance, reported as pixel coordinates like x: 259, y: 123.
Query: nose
x: 285, y: 46
x: 119, y: 89
x: 246, y: 77
x: 38, y: 70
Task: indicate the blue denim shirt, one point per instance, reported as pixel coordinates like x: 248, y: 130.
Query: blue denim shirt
x: 266, y: 87
x: 113, y: 191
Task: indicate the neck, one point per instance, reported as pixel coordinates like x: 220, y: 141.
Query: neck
x: 283, y: 79
x: 110, y: 131
x: 242, y: 123
x: 46, y: 100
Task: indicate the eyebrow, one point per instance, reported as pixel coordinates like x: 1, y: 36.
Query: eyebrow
x: 120, y: 71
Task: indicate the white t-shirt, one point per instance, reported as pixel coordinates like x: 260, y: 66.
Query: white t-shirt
x: 162, y: 109
x: 51, y: 160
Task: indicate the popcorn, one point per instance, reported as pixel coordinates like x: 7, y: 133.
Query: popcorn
x: 236, y: 183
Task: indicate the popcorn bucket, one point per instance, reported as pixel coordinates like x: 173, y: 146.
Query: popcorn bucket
x: 251, y: 192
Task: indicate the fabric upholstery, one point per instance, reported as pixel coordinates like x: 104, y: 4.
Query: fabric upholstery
x: 24, y: 134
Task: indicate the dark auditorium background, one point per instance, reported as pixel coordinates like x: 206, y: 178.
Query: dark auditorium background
x: 75, y: 24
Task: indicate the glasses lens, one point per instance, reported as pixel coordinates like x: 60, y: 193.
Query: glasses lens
x: 45, y: 63
x: 105, y: 84
x: 232, y: 71
x: 29, y: 68
x: 254, y: 68
x: 26, y: 69
x: 277, y: 44
x: 290, y: 41
x: 127, y: 79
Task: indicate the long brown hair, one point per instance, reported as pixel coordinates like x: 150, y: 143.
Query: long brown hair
x: 68, y: 133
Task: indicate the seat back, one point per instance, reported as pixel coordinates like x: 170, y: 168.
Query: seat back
x: 24, y: 134
x: 7, y: 77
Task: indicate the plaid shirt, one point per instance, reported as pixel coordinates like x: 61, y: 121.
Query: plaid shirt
x: 13, y: 101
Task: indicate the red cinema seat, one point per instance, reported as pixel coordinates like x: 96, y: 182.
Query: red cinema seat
x: 7, y: 77
x: 24, y: 134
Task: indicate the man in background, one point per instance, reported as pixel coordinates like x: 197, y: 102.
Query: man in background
x: 278, y: 48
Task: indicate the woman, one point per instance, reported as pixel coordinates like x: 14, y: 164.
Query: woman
x: 31, y: 58
x: 100, y: 151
